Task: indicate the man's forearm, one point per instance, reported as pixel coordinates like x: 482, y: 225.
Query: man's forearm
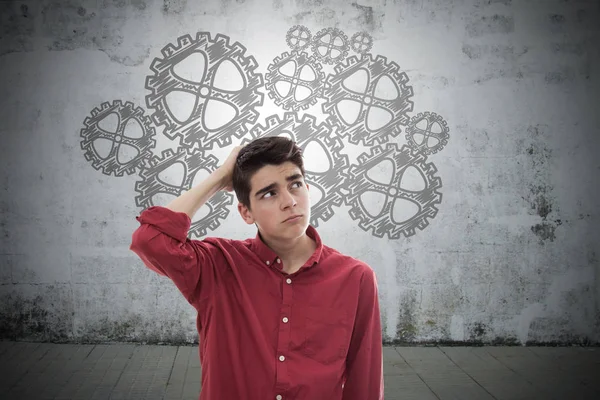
x: 190, y: 201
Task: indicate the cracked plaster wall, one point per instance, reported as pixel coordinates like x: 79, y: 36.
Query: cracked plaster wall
x: 511, y: 257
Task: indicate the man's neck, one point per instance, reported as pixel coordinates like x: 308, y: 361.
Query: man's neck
x: 292, y: 252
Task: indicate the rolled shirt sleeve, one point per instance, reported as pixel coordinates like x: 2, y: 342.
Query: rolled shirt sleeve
x: 162, y: 244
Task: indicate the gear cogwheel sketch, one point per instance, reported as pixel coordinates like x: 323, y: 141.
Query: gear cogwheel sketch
x: 330, y: 45
x: 298, y: 37
x: 294, y: 81
x: 421, y: 197
x: 325, y: 166
x: 361, y: 42
x: 213, y: 97
x: 368, y: 99
x: 128, y: 119
x: 422, y: 137
x: 192, y: 162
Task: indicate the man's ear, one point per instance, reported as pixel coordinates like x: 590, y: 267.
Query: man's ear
x: 245, y: 213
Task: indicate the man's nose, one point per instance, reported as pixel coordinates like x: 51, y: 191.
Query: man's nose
x: 288, y: 200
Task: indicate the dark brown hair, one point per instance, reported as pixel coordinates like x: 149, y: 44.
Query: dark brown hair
x: 269, y: 150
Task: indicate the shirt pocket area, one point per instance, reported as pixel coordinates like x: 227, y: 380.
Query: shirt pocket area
x: 326, y: 334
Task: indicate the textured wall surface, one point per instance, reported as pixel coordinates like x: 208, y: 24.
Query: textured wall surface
x: 506, y: 250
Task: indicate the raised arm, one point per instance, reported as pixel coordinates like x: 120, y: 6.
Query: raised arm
x: 161, y: 240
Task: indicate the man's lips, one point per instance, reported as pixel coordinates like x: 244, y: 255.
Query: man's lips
x: 292, y: 218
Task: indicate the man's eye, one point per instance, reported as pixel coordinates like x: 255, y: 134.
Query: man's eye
x: 299, y: 183
x: 266, y: 194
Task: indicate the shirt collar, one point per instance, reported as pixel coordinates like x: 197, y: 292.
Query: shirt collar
x: 269, y: 257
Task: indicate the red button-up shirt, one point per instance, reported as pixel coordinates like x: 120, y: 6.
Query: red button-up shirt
x: 265, y: 334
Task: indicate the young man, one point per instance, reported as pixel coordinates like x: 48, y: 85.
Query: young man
x: 280, y: 316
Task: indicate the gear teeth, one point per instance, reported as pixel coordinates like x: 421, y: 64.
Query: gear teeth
x: 301, y: 60
x: 184, y: 41
x: 163, y: 81
x: 335, y: 92
x: 224, y: 39
x: 168, y: 50
x: 91, y: 132
x: 383, y: 224
x: 430, y: 118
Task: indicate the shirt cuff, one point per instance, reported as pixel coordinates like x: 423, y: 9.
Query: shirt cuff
x: 172, y: 223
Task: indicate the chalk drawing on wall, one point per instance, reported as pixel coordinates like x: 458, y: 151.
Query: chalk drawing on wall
x: 294, y: 81
x: 368, y: 99
x: 427, y: 133
x: 361, y: 42
x: 176, y: 172
x: 117, y: 138
x: 201, y: 77
x: 330, y: 45
x: 393, y: 192
x: 298, y: 37
x: 205, y: 92
x: 325, y: 166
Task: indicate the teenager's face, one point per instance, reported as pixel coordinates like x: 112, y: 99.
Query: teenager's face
x: 278, y: 192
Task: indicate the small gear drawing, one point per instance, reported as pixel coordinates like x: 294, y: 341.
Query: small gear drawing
x: 298, y: 37
x: 361, y: 42
x: 125, y: 113
x: 332, y: 40
x: 329, y: 181
x: 377, y: 72
x: 151, y: 184
x: 297, y: 80
x: 424, y: 200
x: 419, y: 133
x: 194, y: 130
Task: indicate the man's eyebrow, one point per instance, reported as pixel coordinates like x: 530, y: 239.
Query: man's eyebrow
x: 266, y: 189
x: 293, y: 177
x: 272, y: 186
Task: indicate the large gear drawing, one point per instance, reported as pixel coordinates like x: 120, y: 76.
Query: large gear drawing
x: 125, y: 113
x: 332, y: 39
x: 298, y: 37
x: 419, y: 133
x: 425, y: 200
x: 304, y: 132
x: 194, y: 129
x: 300, y: 61
x: 194, y: 161
x: 397, y: 108
x: 361, y: 42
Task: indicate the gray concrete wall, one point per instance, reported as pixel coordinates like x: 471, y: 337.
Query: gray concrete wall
x: 503, y: 249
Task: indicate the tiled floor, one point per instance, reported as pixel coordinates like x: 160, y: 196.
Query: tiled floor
x: 67, y: 371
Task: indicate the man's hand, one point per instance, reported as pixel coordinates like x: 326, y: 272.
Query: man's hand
x: 226, y: 169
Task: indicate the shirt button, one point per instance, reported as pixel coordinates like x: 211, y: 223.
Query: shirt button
x: 285, y: 319
x: 278, y: 261
x: 279, y: 397
x: 281, y: 358
x: 288, y: 280
x: 268, y: 262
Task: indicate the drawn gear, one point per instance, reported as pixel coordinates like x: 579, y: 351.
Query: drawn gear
x: 298, y: 37
x: 425, y: 199
x: 361, y: 42
x: 358, y: 130
x: 305, y: 131
x: 194, y: 161
x: 164, y: 81
x: 288, y: 101
x: 424, y: 133
x: 334, y: 40
x: 92, y: 132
